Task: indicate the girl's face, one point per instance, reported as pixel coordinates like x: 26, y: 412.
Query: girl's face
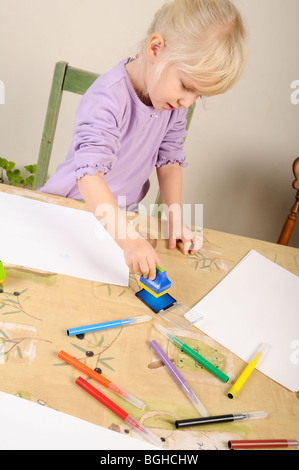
x: 172, y: 89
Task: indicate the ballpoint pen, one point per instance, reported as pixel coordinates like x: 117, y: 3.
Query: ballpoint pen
x: 179, y: 378
x: 183, y: 423
x: 100, y: 379
x: 110, y: 324
x: 263, y: 444
x: 145, y: 433
x: 188, y: 350
x: 259, y: 355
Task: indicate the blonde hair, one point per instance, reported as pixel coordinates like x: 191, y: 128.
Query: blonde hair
x: 205, y: 38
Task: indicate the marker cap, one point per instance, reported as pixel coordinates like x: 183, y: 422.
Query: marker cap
x: 145, y: 433
x: 261, y: 351
x: 198, y: 405
x: 134, y: 401
x: 253, y: 415
x: 141, y: 318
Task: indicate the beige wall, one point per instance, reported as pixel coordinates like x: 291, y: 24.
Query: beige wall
x: 240, y: 148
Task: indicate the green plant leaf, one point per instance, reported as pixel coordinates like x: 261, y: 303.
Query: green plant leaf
x: 6, y: 165
x: 30, y: 180
x: 15, y: 177
x: 30, y: 168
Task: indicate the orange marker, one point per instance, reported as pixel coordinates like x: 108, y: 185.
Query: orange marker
x: 100, y: 379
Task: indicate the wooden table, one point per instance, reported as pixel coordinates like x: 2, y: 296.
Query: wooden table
x: 36, y: 308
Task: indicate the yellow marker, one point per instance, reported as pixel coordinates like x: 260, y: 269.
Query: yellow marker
x: 263, y: 349
x: 2, y: 273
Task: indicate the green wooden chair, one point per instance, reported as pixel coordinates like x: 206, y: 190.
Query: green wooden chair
x: 66, y: 78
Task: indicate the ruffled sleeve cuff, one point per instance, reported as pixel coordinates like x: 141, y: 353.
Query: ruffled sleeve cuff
x: 92, y: 170
x: 165, y: 160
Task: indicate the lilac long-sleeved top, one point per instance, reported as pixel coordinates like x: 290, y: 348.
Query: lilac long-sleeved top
x: 117, y: 134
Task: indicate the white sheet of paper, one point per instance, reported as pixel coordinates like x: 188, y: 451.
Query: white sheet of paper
x: 257, y: 302
x: 25, y: 425
x: 58, y: 239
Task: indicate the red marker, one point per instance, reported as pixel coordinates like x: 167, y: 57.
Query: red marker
x: 152, y: 438
x: 270, y: 444
x: 99, y: 378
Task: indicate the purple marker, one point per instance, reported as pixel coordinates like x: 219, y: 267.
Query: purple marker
x: 179, y: 378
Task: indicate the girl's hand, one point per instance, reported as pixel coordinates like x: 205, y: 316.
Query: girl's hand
x: 190, y: 240
x: 141, y: 258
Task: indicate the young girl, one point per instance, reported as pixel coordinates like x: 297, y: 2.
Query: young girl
x: 133, y: 119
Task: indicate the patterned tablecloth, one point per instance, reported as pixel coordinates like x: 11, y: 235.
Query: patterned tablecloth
x: 36, y: 309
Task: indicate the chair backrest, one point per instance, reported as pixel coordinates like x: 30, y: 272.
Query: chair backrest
x: 290, y: 222
x: 66, y: 78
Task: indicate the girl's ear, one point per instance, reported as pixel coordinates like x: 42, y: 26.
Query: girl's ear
x: 155, y: 46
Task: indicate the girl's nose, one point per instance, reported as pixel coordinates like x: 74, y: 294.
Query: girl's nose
x: 186, y: 102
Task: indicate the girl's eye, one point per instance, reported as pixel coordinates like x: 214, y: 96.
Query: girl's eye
x: 185, y: 87
x: 191, y: 90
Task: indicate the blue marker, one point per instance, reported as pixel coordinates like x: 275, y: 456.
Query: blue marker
x: 110, y: 324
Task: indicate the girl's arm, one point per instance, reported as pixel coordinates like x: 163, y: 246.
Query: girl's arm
x: 140, y: 256
x: 170, y: 183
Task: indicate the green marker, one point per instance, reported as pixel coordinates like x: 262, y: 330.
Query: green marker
x: 197, y: 357
x: 2, y: 273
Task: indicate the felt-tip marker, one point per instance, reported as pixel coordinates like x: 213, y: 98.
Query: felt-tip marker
x: 2, y: 272
x: 263, y: 444
x: 188, y: 350
x: 110, y: 324
x: 145, y: 433
x: 100, y: 379
x: 183, y: 423
x: 179, y: 378
x: 258, y: 357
